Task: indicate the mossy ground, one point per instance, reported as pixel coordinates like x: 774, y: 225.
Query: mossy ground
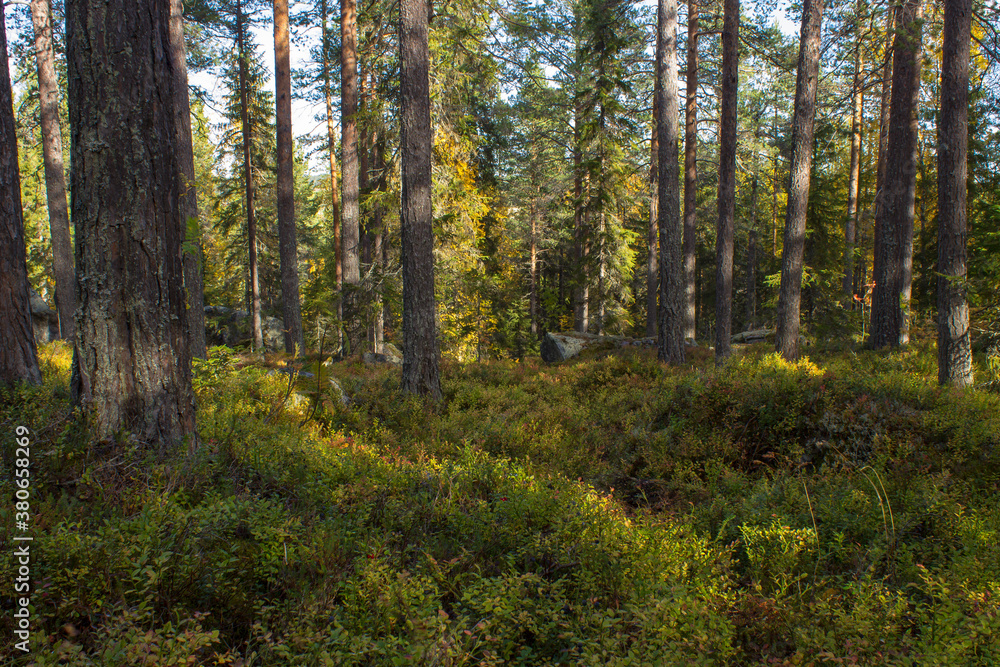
x: 840, y: 510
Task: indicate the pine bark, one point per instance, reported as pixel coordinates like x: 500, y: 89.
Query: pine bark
x: 894, y: 225
x: 691, y: 173
x: 379, y: 244
x: 533, y: 268
x: 954, y: 347
x: 727, y: 181
x: 671, y: 329
x: 331, y: 138
x: 581, y: 289
x: 55, y: 178
x: 793, y: 244
x: 885, y: 100
x: 751, y: 273
x: 351, y: 219
x: 193, y: 283
x: 253, y: 287
x: 18, y: 355
x: 132, y: 363
x: 420, y: 347
x: 287, y: 246
x: 854, y: 182
x: 652, y: 264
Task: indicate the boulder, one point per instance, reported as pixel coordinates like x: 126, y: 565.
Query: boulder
x: 390, y: 354
x: 754, y: 336
x: 338, y: 392
x: 44, y: 320
x: 762, y: 336
x: 375, y: 358
x: 224, y: 326
x: 568, y: 344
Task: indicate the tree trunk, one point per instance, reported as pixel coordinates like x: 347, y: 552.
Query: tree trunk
x: 691, y: 173
x: 190, y: 229
x: 132, y: 363
x: 420, y: 346
x: 727, y: 181
x: 883, y: 134
x: 18, y: 355
x: 254, y: 286
x: 351, y: 229
x: 287, y: 247
x: 378, y: 250
x: 331, y: 138
x: 793, y: 243
x: 652, y: 271
x: 853, y: 186
x: 752, y: 256
x: 581, y: 290
x: 672, y: 294
x: 894, y: 226
x: 55, y: 178
x: 954, y: 349
x: 533, y: 267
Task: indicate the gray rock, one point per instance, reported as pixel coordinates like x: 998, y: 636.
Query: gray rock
x: 755, y: 336
x: 374, y: 358
x: 339, y: 393
x: 44, y: 320
x: 562, y: 346
x: 224, y: 326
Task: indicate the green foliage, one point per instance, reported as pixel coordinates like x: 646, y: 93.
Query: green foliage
x: 762, y: 513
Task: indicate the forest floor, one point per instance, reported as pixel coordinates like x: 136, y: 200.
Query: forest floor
x: 842, y: 510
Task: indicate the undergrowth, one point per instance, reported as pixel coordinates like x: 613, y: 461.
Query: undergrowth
x: 606, y: 512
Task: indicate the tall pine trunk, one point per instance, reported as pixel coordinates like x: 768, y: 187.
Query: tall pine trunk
x: 287, y: 247
x: 190, y: 228
x: 854, y: 182
x: 793, y: 245
x: 18, y: 355
x: 885, y: 100
x: 253, y: 291
x: 55, y: 178
x: 727, y: 181
x: 420, y: 346
x: 671, y: 329
x: 379, y: 244
x: 954, y: 349
x: 533, y: 268
x: 691, y: 173
x: 331, y: 140
x: 652, y: 271
x: 132, y: 362
x: 894, y: 225
x: 581, y: 290
x: 351, y: 219
x: 751, y: 273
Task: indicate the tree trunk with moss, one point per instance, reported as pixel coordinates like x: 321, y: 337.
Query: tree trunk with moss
x: 132, y: 363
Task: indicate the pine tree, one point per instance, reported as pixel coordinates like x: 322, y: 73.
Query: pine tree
x: 132, y: 363
x: 18, y: 356
x: 420, y: 346
x: 790, y: 298
x: 954, y: 348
